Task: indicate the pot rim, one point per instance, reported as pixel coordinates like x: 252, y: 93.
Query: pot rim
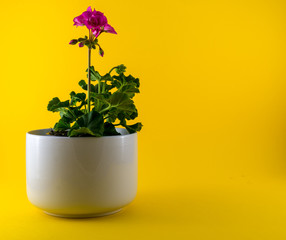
x: 36, y: 133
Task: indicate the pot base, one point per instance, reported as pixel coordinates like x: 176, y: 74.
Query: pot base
x: 83, y: 215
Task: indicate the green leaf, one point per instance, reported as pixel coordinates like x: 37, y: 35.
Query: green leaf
x: 127, y: 80
x: 120, y: 78
x: 130, y: 79
x: 130, y: 90
x: 127, y: 115
x: 94, y: 75
x: 55, y: 105
x: 128, y: 85
x: 121, y: 101
x: 93, y: 121
x: 112, y: 115
x: 76, y: 112
x: 107, y: 77
x: 77, y: 97
x: 133, y: 115
x: 71, y: 114
x: 61, y: 125
x: 116, y: 84
x: 81, y: 132
x: 67, y: 119
x: 134, y: 128
x: 66, y: 113
x: 120, y: 69
x: 83, y: 85
x: 108, y: 88
x: 102, y: 97
x: 109, y: 130
x: 107, y: 105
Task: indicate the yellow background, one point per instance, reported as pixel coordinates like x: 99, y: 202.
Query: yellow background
x: 212, y: 156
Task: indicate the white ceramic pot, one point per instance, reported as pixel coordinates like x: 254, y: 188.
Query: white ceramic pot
x: 81, y: 176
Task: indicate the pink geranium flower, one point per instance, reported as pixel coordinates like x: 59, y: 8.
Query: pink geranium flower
x: 94, y: 21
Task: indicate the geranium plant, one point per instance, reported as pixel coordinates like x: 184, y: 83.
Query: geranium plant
x: 108, y: 102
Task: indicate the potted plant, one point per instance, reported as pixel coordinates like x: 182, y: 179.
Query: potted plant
x: 86, y: 165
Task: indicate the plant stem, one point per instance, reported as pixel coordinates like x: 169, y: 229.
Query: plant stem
x: 112, y: 69
x: 105, y: 109
x: 88, y: 84
x: 98, y: 87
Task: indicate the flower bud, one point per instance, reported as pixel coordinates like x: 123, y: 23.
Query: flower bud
x: 73, y: 42
x: 101, y: 52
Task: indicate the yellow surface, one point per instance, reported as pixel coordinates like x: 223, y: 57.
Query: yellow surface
x: 212, y: 156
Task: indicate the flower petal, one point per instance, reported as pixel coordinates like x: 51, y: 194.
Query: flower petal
x: 86, y: 15
x: 109, y: 29
x: 79, y: 21
x: 89, y: 9
x: 81, y: 44
x: 101, y: 19
x: 96, y: 31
